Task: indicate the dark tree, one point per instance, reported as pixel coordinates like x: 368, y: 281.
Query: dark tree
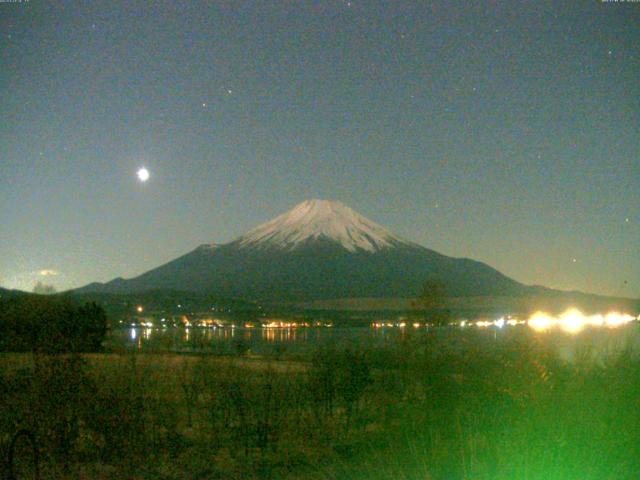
x: 432, y: 301
x: 44, y: 289
x: 51, y: 325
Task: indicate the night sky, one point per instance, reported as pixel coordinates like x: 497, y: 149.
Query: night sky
x: 507, y: 132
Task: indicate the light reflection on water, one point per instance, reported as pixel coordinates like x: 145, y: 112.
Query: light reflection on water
x: 220, y: 338
x: 225, y: 340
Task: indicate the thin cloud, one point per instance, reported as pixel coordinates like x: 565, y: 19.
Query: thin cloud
x: 48, y: 273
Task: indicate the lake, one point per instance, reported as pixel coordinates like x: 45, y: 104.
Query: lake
x: 598, y: 340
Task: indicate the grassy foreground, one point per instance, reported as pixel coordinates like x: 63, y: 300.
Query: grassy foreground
x: 404, y: 411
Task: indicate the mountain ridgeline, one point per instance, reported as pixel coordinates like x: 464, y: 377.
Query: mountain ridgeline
x: 318, y: 250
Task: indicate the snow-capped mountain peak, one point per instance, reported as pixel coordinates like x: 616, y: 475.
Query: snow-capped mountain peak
x: 321, y: 219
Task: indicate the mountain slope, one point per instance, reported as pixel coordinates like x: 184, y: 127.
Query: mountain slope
x: 6, y: 293
x: 318, y: 250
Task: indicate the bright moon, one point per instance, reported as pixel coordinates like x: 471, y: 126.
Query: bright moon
x: 143, y: 174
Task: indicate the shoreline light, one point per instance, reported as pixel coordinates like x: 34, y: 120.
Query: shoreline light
x: 571, y: 321
x: 574, y: 321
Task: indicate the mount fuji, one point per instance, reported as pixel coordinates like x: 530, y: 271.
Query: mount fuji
x: 318, y: 250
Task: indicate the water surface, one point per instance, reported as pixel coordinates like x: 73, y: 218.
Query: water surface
x: 595, y: 341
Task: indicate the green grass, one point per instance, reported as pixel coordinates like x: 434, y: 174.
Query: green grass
x: 410, y: 410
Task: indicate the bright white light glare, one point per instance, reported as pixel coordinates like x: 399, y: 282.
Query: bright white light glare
x: 540, y: 321
x: 615, y: 319
x: 143, y: 174
x: 484, y: 323
x: 573, y: 320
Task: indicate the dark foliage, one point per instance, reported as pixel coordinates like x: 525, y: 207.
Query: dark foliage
x: 414, y: 408
x: 50, y: 325
x: 432, y: 301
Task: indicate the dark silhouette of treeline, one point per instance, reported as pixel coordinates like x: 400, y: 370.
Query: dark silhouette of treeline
x: 49, y: 324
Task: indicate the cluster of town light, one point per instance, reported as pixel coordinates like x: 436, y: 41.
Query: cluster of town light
x: 574, y: 320
x: 285, y: 324
x: 571, y: 321
x: 214, y: 323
